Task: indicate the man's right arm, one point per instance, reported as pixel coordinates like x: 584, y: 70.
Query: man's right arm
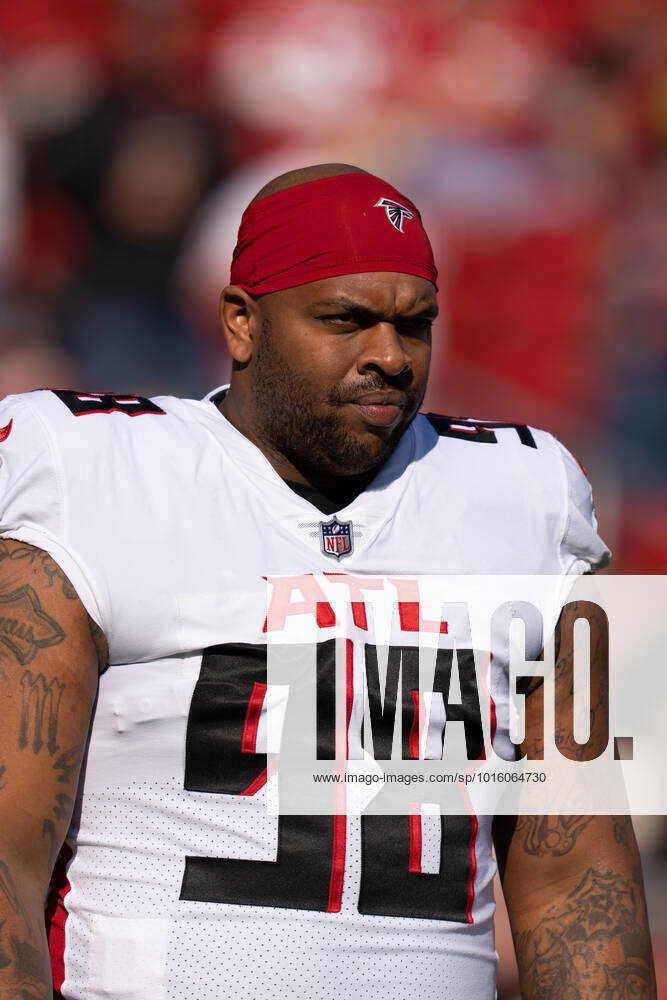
x: 50, y: 656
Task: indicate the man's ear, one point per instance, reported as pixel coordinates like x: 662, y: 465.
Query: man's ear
x: 240, y: 322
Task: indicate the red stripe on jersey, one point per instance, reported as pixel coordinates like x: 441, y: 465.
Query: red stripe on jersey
x: 6, y: 430
x: 359, y: 615
x: 256, y: 784
x: 252, y: 717
x: 337, y: 864
x: 414, y: 728
x: 324, y: 615
x: 349, y: 691
x: 415, y: 864
x: 408, y: 614
x: 492, y: 706
x: 340, y: 821
x: 56, y: 919
x: 494, y: 720
x: 473, y: 868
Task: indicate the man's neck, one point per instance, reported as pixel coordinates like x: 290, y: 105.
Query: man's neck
x: 333, y: 488
x: 230, y: 409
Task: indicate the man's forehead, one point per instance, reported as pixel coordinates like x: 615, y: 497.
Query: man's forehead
x: 380, y: 291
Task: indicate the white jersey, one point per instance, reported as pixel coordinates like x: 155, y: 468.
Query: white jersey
x: 178, y: 883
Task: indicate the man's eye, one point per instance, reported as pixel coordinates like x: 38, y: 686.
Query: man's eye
x: 418, y: 325
x: 340, y: 318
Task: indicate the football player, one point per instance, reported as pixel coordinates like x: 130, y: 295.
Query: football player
x: 138, y: 541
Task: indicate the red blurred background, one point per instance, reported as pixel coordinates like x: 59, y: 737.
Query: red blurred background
x: 532, y: 135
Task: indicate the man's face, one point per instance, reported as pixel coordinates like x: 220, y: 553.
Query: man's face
x: 339, y: 369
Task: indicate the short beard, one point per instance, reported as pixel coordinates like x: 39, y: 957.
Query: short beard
x: 315, y: 444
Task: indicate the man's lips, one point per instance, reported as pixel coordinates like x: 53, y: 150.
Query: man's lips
x: 380, y: 409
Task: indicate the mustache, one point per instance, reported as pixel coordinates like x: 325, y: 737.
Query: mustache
x: 374, y: 383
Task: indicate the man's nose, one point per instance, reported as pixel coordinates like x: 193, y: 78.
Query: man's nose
x: 384, y: 351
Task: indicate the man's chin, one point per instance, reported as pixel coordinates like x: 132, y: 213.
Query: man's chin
x: 364, y: 453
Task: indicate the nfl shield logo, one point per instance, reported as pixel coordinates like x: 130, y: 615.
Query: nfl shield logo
x: 336, y: 538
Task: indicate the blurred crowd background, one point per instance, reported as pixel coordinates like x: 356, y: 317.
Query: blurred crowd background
x: 532, y: 134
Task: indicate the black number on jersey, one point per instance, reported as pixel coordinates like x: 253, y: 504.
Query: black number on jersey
x: 83, y: 403
x: 481, y: 431
x: 307, y: 873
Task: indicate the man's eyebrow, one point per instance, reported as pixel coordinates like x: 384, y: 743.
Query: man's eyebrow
x: 341, y: 302
x: 429, y: 312
x: 349, y: 305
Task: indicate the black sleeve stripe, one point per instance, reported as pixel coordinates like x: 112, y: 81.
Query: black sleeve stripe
x: 465, y: 429
x: 82, y: 403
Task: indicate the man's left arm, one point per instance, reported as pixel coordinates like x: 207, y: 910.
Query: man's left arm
x: 573, y: 885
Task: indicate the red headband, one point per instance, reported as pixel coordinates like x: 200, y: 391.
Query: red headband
x: 347, y: 224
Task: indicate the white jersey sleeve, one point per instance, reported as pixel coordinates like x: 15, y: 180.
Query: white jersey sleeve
x: 33, y: 504
x: 581, y: 548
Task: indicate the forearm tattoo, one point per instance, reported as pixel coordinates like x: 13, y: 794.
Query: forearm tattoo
x: 24, y: 967
x: 26, y: 629
x: 594, y: 944
x: 550, y: 835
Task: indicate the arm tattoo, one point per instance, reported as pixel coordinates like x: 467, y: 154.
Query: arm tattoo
x: 54, y: 572
x: 622, y: 830
x: 550, y: 835
x: 595, y: 715
x: 38, y: 726
x: 28, y: 968
x: 63, y: 806
x: 590, y: 945
x: 51, y: 569
x: 24, y: 967
x: 67, y: 763
x: 5, y: 960
x: 8, y: 890
x: 49, y: 830
x: 28, y: 961
x: 25, y: 627
x: 62, y: 810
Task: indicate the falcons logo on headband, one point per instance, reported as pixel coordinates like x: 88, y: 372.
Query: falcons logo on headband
x: 396, y: 213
